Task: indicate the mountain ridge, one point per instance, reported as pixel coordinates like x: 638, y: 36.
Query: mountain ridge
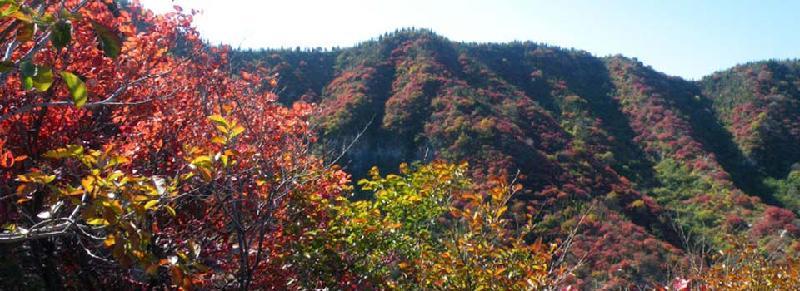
x: 653, y: 156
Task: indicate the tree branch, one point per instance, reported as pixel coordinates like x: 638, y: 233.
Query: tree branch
x: 108, y: 101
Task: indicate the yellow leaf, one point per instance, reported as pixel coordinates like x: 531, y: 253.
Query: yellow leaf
x: 501, y: 211
x: 170, y: 210
x: 36, y: 177
x: 88, y: 183
x: 97, y: 221
x: 206, y: 174
x: 140, y: 198
x: 150, y: 204
x: 110, y: 241
x: 69, y: 151
x: 220, y: 140
x: 137, y: 253
x: 222, y: 129
x: 224, y: 159
x: 237, y: 130
x: 202, y: 161
x: 219, y: 120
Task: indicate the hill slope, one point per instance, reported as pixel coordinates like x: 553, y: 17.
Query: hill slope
x: 646, y: 166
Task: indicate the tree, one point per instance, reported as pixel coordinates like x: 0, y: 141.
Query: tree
x: 128, y: 139
x: 428, y: 226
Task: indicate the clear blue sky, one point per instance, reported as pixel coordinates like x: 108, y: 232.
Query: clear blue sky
x: 679, y: 37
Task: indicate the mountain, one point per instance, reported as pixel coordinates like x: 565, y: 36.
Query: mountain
x: 649, y: 169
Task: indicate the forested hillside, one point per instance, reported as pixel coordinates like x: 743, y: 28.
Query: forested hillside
x: 135, y: 156
x: 666, y: 166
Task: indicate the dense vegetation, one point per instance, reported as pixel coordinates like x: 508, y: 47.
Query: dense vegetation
x: 134, y: 156
x: 652, y: 155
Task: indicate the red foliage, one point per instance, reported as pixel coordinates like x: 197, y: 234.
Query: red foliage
x: 150, y: 103
x: 775, y: 220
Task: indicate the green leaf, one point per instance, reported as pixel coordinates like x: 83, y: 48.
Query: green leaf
x: 76, y: 88
x: 27, y: 69
x: 62, y: 34
x: 36, y: 77
x: 6, y: 67
x: 110, y: 41
x: 46, y: 19
x: 27, y: 83
x: 43, y: 79
x: 8, y: 8
x: 70, y: 16
x: 25, y: 32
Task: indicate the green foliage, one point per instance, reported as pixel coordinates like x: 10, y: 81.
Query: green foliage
x: 110, y: 41
x: 679, y: 185
x: 62, y: 34
x: 426, y: 227
x: 76, y: 88
x: 787, y: 191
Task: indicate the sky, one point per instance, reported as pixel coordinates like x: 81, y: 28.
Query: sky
x: 684, y: 38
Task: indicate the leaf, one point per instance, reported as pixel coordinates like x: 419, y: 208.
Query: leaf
x: 110, y: 41
x: 69, y: 15
x: 27, y: 83
x: 27, y: 69
x: 8, y: 8
x: 202, y: 161
x: 10, y: 227
x: 170, y: 210
x: 88, y: 183
x: 501, y: 211
x: 150, y: 204
x: 222, y: 129
x: 110, y: 240
x: 36, y: 177
x: 224, y: 159
x: 97, y: 221
x: 220, y: 140
x: 6, y: 160
x: 219, y: 120
x: 22, y: 16
x: 25, y: 32
x: 236, y: 131
x: 62, y: 34
x: 6, y: 66
x: 46, y: 19
x: 76, y: 88
x: 43, y: 79
x: 69, y: 151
